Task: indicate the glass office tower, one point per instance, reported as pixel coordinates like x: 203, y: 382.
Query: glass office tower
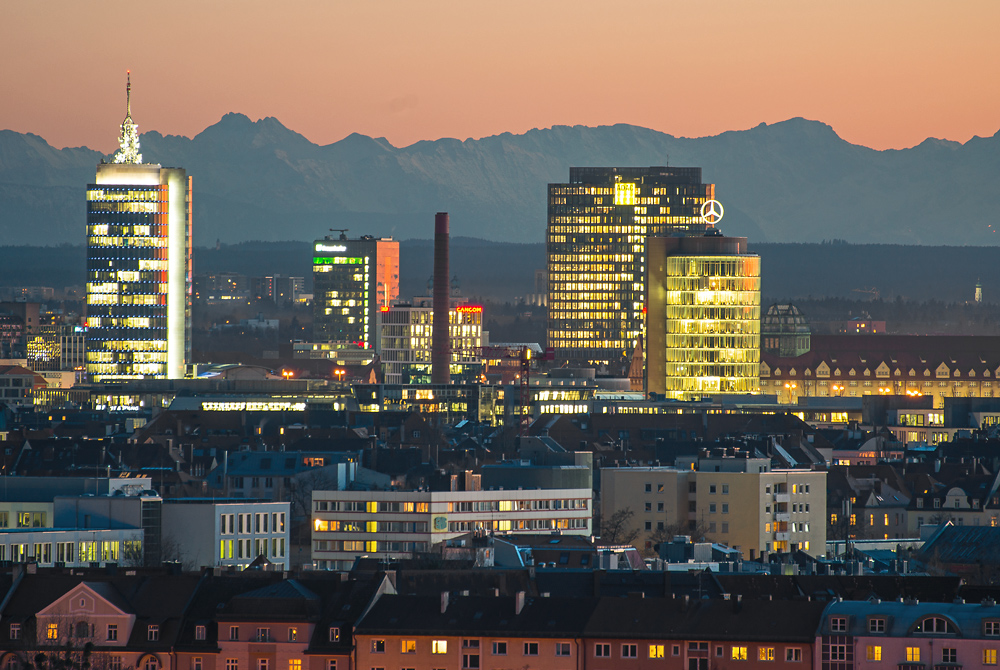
x: 597, y: 229
x: 703, y: 320
x: 353, y: 282
x: 139, y: 267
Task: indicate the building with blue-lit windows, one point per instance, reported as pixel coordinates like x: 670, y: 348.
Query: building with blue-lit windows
x: 138, y: 267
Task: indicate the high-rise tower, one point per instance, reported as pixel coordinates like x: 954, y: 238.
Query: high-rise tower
x: 704, y: 316
x: 139, y: 266
x: 597, y: 229
x: 353, y: 282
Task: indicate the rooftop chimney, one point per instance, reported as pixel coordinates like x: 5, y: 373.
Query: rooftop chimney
x: 519, y: 601
x: 440, y: 336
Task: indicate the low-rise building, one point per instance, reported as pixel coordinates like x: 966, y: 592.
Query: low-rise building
x: 399, y: 524
x: 755, y: 511
x: 909, y: 635
x: 202, y: 532
x: 72, y: 547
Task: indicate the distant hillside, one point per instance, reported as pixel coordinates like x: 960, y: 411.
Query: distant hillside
x: 503, y: 271
x: 794, y: 181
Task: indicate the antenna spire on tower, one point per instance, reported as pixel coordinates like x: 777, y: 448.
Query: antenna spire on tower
x: 128, y: 140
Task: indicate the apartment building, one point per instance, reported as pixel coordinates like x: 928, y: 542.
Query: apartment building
x: 202, y: 532
x: 387, y: 524
x: 909, y: 634
x: 755, y: 510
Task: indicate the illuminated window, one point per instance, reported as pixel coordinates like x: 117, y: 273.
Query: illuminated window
x: 295, y: 664
x: 765, y: 653
x: 439, y: 646
x: 739, y: 653
x: 656, y: 651
x: 408, y: 647
x: 874, y: 653
x: 989, y: 656
x: 913, y: 654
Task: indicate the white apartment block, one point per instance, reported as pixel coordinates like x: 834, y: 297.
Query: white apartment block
x: 397, y: 524
x: 202, y: 533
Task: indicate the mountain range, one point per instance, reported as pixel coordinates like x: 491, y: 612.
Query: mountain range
x: 794, y: 181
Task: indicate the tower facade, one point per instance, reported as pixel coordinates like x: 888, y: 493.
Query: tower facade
x: 353, y: 282
x: 139, y: 266
x: 598, y: 223
x: 703, y: 318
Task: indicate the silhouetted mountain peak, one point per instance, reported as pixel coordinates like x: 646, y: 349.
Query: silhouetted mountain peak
x: 795, y: 180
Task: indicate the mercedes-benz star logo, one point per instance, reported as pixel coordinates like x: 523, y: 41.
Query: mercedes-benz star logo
x: 712, y: 212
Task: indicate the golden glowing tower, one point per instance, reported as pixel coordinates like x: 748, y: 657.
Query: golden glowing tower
x: 138, y: 266
x: 703, y: 319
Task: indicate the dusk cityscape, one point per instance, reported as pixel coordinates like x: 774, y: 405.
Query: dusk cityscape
x: 454, y: 336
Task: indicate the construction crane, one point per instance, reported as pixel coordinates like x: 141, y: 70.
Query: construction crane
x: 342, y: 231
x: 873, y: 292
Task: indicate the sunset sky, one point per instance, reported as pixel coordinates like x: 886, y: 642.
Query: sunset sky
x: 885, y: 74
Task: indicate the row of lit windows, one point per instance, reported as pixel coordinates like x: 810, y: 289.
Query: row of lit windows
x: 109, y: 194
x: 121, y: 229
x: 572, y: 261
x: 134, y: 345
x: 713, y: 326
x: 112, y: 299
x: 126, y: 369
x: 136, y: 356
x: 580, y: 190
x: 114, y: 241
x: 615, y: 228
x: 123, y: 207
x: 714, y: 355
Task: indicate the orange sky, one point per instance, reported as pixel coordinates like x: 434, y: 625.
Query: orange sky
x: 885, y: 74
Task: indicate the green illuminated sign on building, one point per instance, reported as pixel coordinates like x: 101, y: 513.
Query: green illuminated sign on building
x: 337, y: 260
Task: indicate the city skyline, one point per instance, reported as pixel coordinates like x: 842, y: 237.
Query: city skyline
x: 885, y: 76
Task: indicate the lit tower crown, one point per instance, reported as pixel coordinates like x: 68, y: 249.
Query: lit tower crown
x: 128, y: 141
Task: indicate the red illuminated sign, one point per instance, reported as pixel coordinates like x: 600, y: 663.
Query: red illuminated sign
x: 470, y: 309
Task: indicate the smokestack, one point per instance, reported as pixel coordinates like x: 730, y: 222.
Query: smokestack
x: 440, y: 335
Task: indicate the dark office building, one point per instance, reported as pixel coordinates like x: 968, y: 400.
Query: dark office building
x: 597, y: 229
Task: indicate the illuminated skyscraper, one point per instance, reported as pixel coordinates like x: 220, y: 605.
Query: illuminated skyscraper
x: 703, y: 320
x: 597, y: 229
x: 406, y: 341
x: 138, y: 266
x: 353, y: 281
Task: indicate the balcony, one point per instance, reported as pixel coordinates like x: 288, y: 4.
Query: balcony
x: 782, y: 537
x: 782, y: 516
x: 782, y: 497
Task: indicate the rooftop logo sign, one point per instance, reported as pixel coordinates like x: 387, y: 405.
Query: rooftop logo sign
x: 712, y: 212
